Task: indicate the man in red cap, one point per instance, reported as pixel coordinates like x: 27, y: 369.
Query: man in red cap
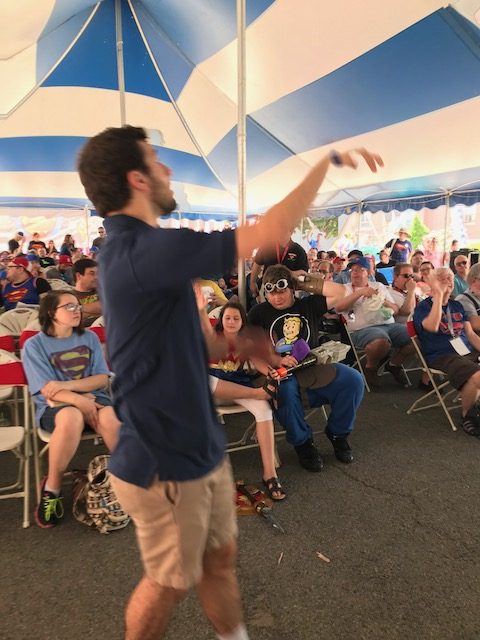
x: 65, y: 268
x: 21, y: 286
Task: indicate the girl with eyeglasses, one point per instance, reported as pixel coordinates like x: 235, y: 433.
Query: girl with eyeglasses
x: 231, y: 379
x: 67, y: 376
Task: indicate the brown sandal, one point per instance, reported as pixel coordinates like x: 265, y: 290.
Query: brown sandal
x: 272, y: 487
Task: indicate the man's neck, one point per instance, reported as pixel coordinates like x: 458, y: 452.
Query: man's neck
x: 81, y: 289
x: 141, y: 210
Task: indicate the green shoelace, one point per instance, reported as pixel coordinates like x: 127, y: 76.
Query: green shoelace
x: 52, y: 507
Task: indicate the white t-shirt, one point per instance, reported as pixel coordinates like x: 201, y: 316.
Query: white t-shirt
x: 399, y: 299
x: 361, y: 316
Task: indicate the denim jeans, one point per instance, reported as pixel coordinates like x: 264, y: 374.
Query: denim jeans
x: 343, y: 394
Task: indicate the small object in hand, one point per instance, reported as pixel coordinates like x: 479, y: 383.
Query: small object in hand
x: 336, y: 158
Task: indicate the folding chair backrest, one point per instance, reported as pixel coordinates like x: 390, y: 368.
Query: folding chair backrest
x: 24, y: 336
x: 100, y: 333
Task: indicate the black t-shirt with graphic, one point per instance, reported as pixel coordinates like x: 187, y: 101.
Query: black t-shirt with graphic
x: 285, y: 326
x: 292, y: 256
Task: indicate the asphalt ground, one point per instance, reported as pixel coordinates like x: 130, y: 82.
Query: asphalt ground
x: 400, y: 527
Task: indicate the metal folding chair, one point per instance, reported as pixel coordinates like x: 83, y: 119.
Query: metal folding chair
x: 359, y: 354
x: 437, y: 389
x: 16, y: 438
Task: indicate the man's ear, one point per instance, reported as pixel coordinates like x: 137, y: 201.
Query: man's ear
x: 137, y: 180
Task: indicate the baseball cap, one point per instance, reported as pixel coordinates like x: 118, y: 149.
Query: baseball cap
x: 355, y: 252
x: 338, y: 259
x: 362, y: 262
x: 20, y: 233
x: 19, y: 261
x: 65, y: 260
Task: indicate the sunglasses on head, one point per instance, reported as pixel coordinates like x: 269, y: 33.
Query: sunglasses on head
x: 280, y: 285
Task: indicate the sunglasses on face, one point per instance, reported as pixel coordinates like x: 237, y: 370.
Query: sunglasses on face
x: 406, y: 275
x: 280, y: 285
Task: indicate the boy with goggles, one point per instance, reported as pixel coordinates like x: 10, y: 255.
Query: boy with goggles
x: 287, y: 320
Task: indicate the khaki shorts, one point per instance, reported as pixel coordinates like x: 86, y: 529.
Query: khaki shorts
x: 177, y: 523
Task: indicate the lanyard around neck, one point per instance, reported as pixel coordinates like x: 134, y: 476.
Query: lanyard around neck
x: 277, y: 247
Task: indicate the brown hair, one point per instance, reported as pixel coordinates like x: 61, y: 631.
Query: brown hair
x: 48, y: 306
x: 231, y: 305
x: 276, y: 272
x: 103, y: 165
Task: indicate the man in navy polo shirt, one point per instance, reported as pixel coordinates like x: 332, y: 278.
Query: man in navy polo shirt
x: 170, y: 470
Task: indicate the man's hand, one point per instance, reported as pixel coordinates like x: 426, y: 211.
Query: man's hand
x: 53, y: 387
x: 89, y: 410
x: 373, y: 160
x: 289, y: 361
x: 410, y: 285
x: 367, y: 292
x: 437, y: 287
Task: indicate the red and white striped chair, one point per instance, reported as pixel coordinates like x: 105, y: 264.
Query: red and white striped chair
x: 16, y: 438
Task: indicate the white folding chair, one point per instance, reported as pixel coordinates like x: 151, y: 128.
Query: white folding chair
x: 16, y: 438
x: 437, y: 389
x: 358, y: 353
x: 248, y: 439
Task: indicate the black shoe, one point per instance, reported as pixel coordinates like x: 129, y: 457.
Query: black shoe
x: 470, y: 425
x: 50, y: 508
x: 309, y: 457
x: 342, y: 449
x: 425, y: 386
x: 398, y: 373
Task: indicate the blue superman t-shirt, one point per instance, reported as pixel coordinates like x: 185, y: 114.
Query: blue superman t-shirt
x: 46, y: 358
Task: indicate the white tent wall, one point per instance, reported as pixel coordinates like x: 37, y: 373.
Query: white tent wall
x: 371, y: 231
x: 51, y: 224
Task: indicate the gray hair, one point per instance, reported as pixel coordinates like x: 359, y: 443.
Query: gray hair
x: 443, y: 271
x: 328, y: 263
x: 474, y: 273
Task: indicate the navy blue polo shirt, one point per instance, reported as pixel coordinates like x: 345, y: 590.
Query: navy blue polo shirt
x: 157, y: 351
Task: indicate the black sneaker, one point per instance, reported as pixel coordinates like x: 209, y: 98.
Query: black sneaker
x: 309, y: 457
x: 342, y: 449
x: 398, y: 373
x: 50, y: 508
x: 470, y: 425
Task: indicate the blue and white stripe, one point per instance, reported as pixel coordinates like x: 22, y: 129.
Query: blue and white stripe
x: 403, y: 80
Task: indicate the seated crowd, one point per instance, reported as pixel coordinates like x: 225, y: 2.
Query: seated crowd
x: 290, y: 294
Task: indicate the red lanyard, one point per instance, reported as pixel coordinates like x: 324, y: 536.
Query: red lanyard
x: 277, y: 247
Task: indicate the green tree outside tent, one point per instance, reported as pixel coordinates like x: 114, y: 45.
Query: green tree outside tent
x: 417, y: 232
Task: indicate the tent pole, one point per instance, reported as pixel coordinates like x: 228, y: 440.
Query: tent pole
x: 360, y: 204
x: 87, y: 228
x: 241, y: 136
x: 120, y: 68
x: 445, y: 226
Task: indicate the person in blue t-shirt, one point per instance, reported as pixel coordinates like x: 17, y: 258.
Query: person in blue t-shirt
x: 449, y: 344
x: 169, y: 469
x: 67, y: 376
x: 400, y: 248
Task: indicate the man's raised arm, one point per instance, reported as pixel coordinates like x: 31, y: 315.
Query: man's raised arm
x: 286, y: 214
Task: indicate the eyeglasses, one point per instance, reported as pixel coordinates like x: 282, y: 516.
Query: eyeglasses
x: 70, y: 306
x: 280, y: 285
x: 406, y: 275
x: 325, y: 272
x: 461, y: 264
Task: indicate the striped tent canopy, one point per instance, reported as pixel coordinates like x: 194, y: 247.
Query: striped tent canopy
x: 401, y: 78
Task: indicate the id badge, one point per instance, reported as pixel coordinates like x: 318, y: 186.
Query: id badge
x: 459, y: 346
